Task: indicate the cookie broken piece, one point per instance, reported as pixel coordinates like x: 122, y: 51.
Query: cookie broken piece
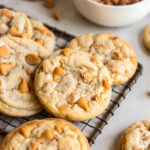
x: 66, y: 88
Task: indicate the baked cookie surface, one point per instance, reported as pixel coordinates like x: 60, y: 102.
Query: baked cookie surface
x: 136, y: 137
x: 116, y: 54
x: 46, y: 134
x: 73, y: 85
x: 19, y: 58
x: 146, y: 37
x: 15, y: 23
x: 42, y: 35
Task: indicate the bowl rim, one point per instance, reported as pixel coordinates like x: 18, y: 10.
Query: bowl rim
x: 118, y: 6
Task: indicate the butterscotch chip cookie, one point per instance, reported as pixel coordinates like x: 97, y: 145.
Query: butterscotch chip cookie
x: 19, y: 58
x: 71, y: 85
x: 117, y: 55
x: 146, y: 37
x: 15, y: 23
x: 46, y: 134
x: 42, y: 35
x: 136, y: 137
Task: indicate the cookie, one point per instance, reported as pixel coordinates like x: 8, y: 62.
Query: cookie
x: 146, y: 37
x: 42, y: 35
x: 136, y: 137
x: 116, y: 54
x: 46, y: 134
x: 73, y: 85
x: 15, y: 23
x: 19, y: 57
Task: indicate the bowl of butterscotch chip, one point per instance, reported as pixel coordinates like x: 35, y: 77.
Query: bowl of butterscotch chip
x: 113, y: 13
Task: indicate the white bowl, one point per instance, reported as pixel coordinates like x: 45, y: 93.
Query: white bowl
x: 110, y: 15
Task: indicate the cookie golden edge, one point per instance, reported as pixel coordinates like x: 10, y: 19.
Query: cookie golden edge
x: 64, y: 122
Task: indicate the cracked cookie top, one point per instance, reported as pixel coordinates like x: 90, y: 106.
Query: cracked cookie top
x: 73, y: 84
x: 15, y: 24
x: 46, y: 134
x: 116, y: 54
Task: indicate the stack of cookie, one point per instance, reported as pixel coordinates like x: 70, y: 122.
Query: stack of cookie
x: 73, y: 83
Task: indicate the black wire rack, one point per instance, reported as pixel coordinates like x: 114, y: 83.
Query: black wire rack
x: 91, y: 128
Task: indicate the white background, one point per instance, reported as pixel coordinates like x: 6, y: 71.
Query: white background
x: 137, y: 105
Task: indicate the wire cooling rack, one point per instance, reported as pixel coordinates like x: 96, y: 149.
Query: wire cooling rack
x: 91, y: 128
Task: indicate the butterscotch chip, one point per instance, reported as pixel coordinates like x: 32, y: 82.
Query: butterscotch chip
x: 45, y: 37
x: 6, y: 13
x: 4, y: 52
x: 87, y: 76
x: 40, y: 41
x: 32, y: 59
x: 46, y: 134
x: 43, y: 30
x: 57, y: 73
x: 23, y: 86
x: 13, y: 31
x: 16, y: 58
x: 80, y: 80
x: 57, y: 15
x: 49, y: 3
x: 66, y: 52
x: 0, y: 83
x: 15, y: 23
x: 95, y: 59
x: 136, y: 136
x: 6, y: 67
x: 26, y: 131
x: 83, y: 103
x: 106, y: 83
x: 115, y: 53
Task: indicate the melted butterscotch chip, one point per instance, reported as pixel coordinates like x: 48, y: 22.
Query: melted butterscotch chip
x: 87, y: 76
x: 4, y: 52
x: 42, y: 30
x: 13, y: 31
x: 106, y: 83
x: 6, y: 13
x: 47, y: 135
x: 117, y: 55
x: 23, y: 86
x: 49, y: 3
x: 40, y: 41
x: 58, y: 129
x: 83, y: 103
x: 57, y: 73
x: 66, y: 52
x: 6, y: 67
x: 94, y: 59
x: 63, y: 107
x: 32, y: 59
x: 27, y: 130
x: 57, y: 15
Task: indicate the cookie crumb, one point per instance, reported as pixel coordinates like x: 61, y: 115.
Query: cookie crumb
x: 57, y: 15
x: 49, y: 3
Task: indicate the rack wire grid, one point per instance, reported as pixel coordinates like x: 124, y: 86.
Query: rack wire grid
x: 91, y: 128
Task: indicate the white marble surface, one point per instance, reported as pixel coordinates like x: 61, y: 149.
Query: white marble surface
x: 136, y: 107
